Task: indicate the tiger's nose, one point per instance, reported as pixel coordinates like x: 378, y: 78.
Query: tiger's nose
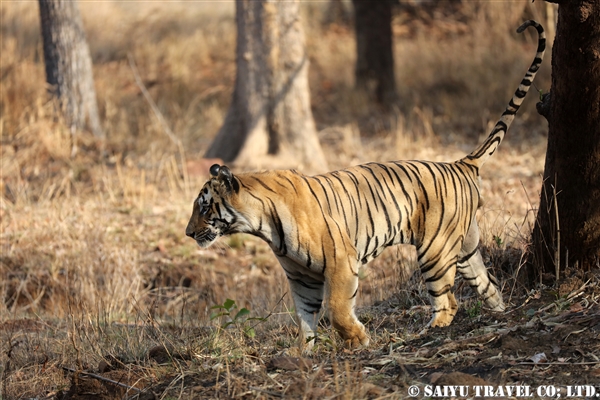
x: 189, y: 233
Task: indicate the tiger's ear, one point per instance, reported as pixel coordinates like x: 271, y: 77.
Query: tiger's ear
x: 214, y: 170
x: 224, y: 175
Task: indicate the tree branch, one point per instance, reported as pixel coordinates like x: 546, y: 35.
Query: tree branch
x: 544, y: 107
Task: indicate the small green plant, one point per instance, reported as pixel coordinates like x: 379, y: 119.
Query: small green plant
x: 323, y: 341
x: 240, y: 319
x: 498, y: 241
x: 475, y: 310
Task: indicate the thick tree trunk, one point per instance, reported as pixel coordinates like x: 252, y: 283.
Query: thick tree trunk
x: 567, y: 231
x: 68, y: 64
x: 374, y: 49
x: 269, y: 123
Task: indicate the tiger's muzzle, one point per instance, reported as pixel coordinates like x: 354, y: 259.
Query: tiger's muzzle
x: 204, y: 238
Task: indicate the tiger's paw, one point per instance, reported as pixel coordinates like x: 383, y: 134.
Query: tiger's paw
x: 496, y: 306
x: 357, y: 341
x: 355, y: 335
x: 441, y: 319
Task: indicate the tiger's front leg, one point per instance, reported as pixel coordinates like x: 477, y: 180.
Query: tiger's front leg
x: 308, y: 298
x: 307, y: 292
x: 341, y: 282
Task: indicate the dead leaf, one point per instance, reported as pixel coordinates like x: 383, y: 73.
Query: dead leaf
x: 539, y: 357
x: 576, y: 307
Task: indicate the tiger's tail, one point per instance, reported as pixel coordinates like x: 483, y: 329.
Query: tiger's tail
x: 489, y: 146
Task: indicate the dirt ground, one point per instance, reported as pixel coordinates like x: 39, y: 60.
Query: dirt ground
x: 547, y: 340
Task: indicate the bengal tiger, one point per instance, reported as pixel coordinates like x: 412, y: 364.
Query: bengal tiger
x: 323, y: 228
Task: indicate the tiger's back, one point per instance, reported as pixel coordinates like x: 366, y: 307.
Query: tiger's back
x: 368, y: 207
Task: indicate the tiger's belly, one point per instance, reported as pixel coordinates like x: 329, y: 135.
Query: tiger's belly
x: 299, y: 266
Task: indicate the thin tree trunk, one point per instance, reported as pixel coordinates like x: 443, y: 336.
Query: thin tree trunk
x: 374, y: 49
x: 68, y: 64
x: 269, y: 122
x: 567, y: 230
x: 336, y: 13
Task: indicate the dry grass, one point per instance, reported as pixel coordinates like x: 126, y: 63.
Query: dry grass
x: 94, y: 265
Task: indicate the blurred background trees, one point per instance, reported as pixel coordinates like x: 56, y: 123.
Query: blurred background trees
x: 68, y: 64
x: 456, y: 65
x: 374, y: 69
x: 269, y: 123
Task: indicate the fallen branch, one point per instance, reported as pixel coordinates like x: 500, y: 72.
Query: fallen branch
x: 101, y: 378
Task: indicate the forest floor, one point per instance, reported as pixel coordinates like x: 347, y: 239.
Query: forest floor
x: 102, y: 296
x: 546, y: 345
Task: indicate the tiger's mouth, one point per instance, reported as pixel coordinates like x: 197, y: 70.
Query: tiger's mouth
x: 205, y: 238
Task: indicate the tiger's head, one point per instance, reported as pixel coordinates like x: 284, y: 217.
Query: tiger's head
x: 214, y: 212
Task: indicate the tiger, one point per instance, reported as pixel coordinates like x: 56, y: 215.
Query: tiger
x: 322, y: 228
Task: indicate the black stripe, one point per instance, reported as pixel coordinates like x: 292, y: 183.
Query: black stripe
x: 291, y: 183
x: 348, y: 197
x: 261, y: 183
x: 324, y: 192
x: 279, y: 227
x: 440, y: 292
x: 441, y: 272
x: 325, y: 257
x: 468, y: 256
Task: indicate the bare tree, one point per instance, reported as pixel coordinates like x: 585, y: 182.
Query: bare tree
x: 68, y: 64
x: 374, y: 49
x: 269, y: 122
x: 567, y: 230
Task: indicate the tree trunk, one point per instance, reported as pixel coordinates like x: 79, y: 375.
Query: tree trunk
x: 68, y: 64
x: 336, y: 13
x: 567, y: 230
x: 269, y: 123
x: 374, y: 49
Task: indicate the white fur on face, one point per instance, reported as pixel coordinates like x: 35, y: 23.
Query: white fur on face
x: 204, y: 199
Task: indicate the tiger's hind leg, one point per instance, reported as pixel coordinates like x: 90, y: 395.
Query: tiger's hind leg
x: 439, y: 279
x: 472, y: 269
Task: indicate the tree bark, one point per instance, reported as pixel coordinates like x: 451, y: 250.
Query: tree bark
x: 374, y: 49
x: 68, y: 64
x: 567, y: 230
x: 269, y: 122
